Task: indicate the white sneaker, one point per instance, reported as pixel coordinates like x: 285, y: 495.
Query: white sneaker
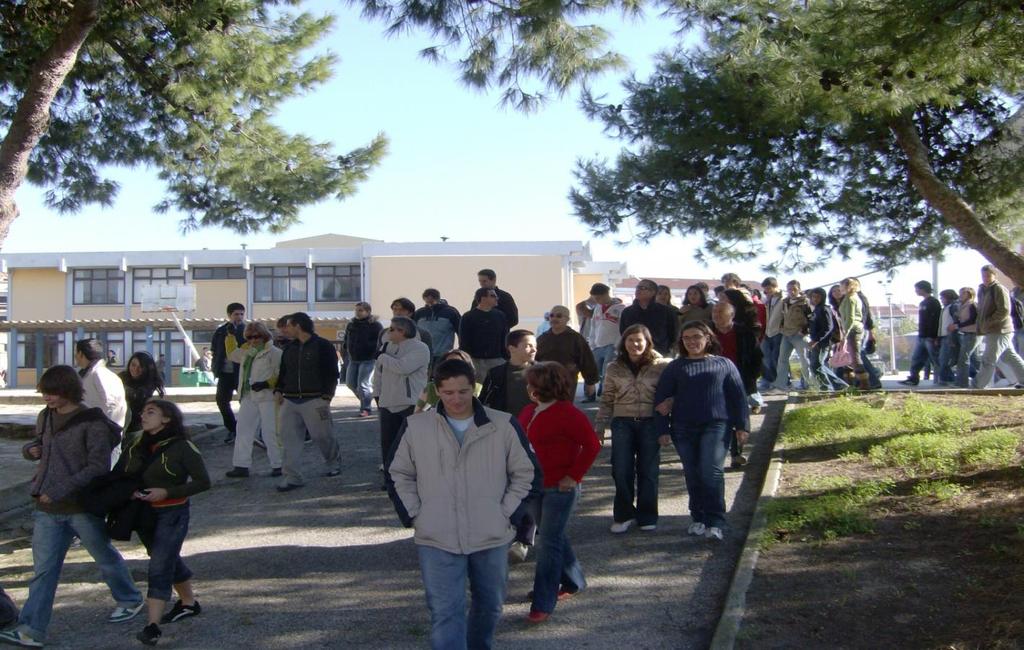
x: 122, y: 614
x: 696, y: 528
x: 517, y: 551
x: 649, y: 527
x: 14, y: 637
x: 622, y: 526
x: 714, y: 532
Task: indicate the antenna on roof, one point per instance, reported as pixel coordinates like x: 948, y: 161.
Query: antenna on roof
x: 443, y: 238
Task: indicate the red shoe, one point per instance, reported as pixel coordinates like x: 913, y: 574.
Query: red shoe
x: 564, y: 594
x: 537, y: 617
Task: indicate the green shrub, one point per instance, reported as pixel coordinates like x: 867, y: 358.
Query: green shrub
x: 995, y: 448
x: 941, y: 490
x: 828, y: 516
x: 945, y: 454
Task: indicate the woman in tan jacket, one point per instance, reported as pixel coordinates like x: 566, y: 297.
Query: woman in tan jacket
x: 628, y: 403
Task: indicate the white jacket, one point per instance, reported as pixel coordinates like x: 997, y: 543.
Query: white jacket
x: 604, y: 325
x: 266, y: 365
x: 105, y: 391
x: 400, y: 373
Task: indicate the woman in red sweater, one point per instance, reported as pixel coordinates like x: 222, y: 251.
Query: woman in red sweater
x: 566, y: 446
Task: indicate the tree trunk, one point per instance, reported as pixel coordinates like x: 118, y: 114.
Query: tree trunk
x: 32, y: 117
x: 950, y: 205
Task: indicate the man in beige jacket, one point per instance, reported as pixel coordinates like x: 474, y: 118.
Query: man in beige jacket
x: 458, y: 474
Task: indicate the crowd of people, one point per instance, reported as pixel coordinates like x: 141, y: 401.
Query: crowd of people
x: 483, y: 448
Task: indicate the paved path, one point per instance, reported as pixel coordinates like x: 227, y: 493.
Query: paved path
x: 328, y: 566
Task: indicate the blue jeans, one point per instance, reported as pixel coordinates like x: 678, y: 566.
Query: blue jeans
x: 925, y: 352
x: 557, y: 566
x: 163, y: 544
x: 603, y: 356
x: 949, y: 350
x: 874, y: 376
x: 827, y: 378
x: 787, y: 345
x: 635, y: 457
x: 702, y: 449
x: 968, y: 360
x: 51, y: 538
x: 770, y: 347
x: 359, y: 379
x: 444, y: 577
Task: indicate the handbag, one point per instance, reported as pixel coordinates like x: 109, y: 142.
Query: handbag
x: 841, y: 356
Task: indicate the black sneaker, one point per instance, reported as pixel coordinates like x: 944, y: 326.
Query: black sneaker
x: 238, y: 472
x: 149, y: 634
x: 275, y: 472
x: 229, y: 439
x: 909, y: 382
x: 180, y: 611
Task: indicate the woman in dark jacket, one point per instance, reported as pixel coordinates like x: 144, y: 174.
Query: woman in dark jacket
x: 361, y: 335
x: 141, y: 381
x: 821, y: 326
x: 171, y: 470
x: 701, y: 405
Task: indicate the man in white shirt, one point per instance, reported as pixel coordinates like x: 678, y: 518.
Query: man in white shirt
x: 103, y: 388
x: 603, y: 334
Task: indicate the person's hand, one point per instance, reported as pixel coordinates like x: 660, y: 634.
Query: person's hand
x: 45, y: 499
x: 742, y: 436
x: 951, y: 327
x: 590, y: 390
x: 151, y: 494
x: 567, y: 484
x: 665, y: 408
x: 665, y: 440
x: 35, y: 451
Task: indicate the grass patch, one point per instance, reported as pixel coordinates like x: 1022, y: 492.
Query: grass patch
x: 945, y: 454
x: 822, y: 483
x: 827, y: 516
x: 852, y: 422
x: 941, y: 490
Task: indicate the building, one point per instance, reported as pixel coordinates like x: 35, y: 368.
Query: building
x: 57, y: 297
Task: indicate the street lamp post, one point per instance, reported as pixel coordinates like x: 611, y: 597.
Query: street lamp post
x: 892, y: 335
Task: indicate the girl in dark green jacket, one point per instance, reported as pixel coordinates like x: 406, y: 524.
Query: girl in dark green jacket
x: 171, y: 469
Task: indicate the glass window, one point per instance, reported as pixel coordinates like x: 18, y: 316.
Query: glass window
x: 98, y: 286
x: 339, y: 283
x: 53, y: 350
x: 279, y: 284
x: 163, y: 340
x: 218, y: 273
x: 154, y: 277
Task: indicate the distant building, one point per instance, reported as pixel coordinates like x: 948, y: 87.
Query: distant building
x: 56, y: 298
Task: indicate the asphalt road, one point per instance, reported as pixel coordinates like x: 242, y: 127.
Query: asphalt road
x: 329, y: 566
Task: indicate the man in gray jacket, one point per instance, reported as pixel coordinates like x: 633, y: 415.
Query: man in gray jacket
x: 458, y: 474
x: 996, y: 327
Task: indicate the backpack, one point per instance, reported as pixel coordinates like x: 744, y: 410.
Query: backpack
x: 837, y: 334
x: 1016, y: 312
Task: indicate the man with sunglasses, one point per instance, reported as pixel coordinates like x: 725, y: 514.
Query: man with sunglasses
x: 483, y: 330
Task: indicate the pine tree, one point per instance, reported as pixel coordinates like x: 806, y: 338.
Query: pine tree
x: 188, y: 87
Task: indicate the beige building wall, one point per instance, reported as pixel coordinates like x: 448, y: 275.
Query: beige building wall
x: 536, y: 282
x: 94, y: 312
x: 213, y: 296
x: 275, y: 310
x: 38, y: 294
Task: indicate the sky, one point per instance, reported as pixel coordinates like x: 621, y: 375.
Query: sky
x: 459, y: 166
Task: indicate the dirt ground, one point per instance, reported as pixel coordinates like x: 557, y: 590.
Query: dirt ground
x: 934, y: 573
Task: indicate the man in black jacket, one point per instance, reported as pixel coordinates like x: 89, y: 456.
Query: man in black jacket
x: 659, y: 319
x: 929, y: 312
x: 305, y: 388
x: 226, y: 339
x: 504, y: 388
x: 482, y: 332
x: 488, y: 279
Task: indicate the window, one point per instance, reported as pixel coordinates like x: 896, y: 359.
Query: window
x: 98, y: 286
x: 338, y: 283
x: 53, y: 350
x: 154, y: 277
x: 218, y: 273
x: 279, y: 284
x: 162, y: 341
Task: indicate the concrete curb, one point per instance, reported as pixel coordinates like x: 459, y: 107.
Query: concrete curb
x: 15, y: 497
x: 736, y: 598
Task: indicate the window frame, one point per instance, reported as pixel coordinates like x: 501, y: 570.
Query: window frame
x: 109, y: 275
x: 355, y: 278
x: 289, y: 273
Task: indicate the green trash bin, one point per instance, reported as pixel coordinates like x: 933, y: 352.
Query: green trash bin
x: 189, y: 377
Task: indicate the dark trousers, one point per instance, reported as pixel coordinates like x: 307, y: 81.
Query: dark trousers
x: 635, y: 456
x: 225, y: 391
x: 163, y: 543
x: 390, y: 423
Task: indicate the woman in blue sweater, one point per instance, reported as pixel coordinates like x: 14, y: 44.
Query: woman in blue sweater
x: 701, y: 402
